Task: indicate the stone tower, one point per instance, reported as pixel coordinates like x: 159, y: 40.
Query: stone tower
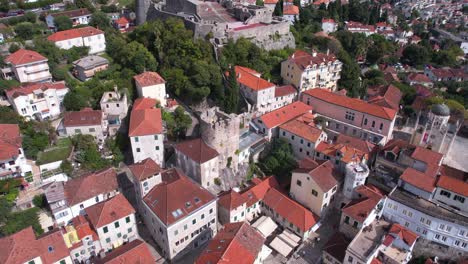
x: 356, y: 175
x: 221, y: 131
x: 436, y: 130
x: 142, y: 7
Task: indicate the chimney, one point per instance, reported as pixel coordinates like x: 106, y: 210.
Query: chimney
x: 314, y: 53
x: 328, y: 52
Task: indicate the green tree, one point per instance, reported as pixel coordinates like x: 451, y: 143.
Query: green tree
x: 40, y: 201
x: 74, y: 102
x: 13, y: 48
x: 4, y: 5
x: 259, y: 2
x: 280, y: 160
x: 177, y: 123
x: 232, y: 93
x: 416, y: 55
x: 66, y: 167
x: 100, y: 20
x: 25, y: 30
x: 84, y: 4
x: 278, y: 8
x: 63, y: 23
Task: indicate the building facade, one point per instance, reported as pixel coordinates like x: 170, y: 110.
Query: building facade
x: 86, y: 122
x: 29, y: 66
x: 89, y: 37
x: 151, y: 85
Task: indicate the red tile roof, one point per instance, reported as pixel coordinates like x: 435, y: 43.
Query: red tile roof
x: 145, y: 118
x: 352, y: 103
x: 23, y: 56
x: 270, y: 2
x: 23, y: 246
x: 284, y: 90
x: 360, y: 209
x: 328, y: 20
x: 30, y: 88
x: 307, y: 164
x: 197, y: 150
x: 431, y: 158
x: 235, y: 243
x: 418, y: 179
x: 144, y: 169
x: 85, y: 187
x: 176, y: 193
x: 258, y: 191
x: 83, y: 228
x: 135, y: 252
x: 10, y: 141
x: 284, y: 114
x: 231, y: 200
x: 418, y: 77
x: 290, y: 210
x: 85, y: 117
x: 122, y: 21
x: 453, y: 184
x: 303, y: 59
x: 386, y: 96
x: 290, y: 10
x: 357, y: 143
x: 307, y: 131
x: 251, y: 79
x: 359, y: 27
x: 148, y: 79
x: 347, y: 152
x: 325, y: 176
x: 74, y: 33
x: 109, y: 211
x: 406, y: 235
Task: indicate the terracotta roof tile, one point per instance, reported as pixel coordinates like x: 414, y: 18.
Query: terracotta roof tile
x: 290, y: 210
x: 148, y: 79
x: 325, y: 176
x: 258, y: 191
x: 290, y: 10
x: 30, y: 88
x: 347, y: 152
x: 251, y: 79
x: 145, y: 118
x: 85, y: 187
x: 418, y: 77
x: 328, y: 20
x: 134, y: 252
x: 235, y: 243
x: 10, y: 141
x: 284, y: 114
x: 359, y: 209
x: 74, y: 33
x: 303, y: 59
x: 85, y: 117
x: 122, y: 21
x: 304, y: 130
x: 357, y: 143
x: 197, y: 150
x: 431, y: 158
x: 144, y: 169
x: 406, y: 235
x: 83, y: 228
x: 23, y: 56
x: 231, y: 200
x: 176, y: 193
x: 53, y: 239
x: 109, y: 211
x: 285, y: 90
x: 352, y: 103
x: 453, y: 184
x: 418, y: 179
x: 386, y: 96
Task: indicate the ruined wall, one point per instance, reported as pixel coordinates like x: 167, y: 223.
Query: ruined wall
x: 221, y: 131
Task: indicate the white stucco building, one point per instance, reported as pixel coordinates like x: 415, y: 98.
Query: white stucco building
x: 12, y: 160
x: 145, y: 174
x: 179, y: 214
x: 114, y: 106
x: 38, y: 100
x: 198, y: 161
x: 69, y: 199
x: 307, y: 71
x: 329, y: 25
x: 90, y: 37
x: 146, y: 131
x: 29, y: 66
x: 151, y: 85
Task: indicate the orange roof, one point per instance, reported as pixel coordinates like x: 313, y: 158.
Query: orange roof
x: 197, y: 150
x: 23, y: 56
x: 418, y: 179
x: 10, y: 141
x: 122, y: 21
x: 148, y: 78
x: 145, y: 118
x: 406, y: 235
x: 85, y: 117
x: 251, y: 79
x: 328, y: 20
x: 82, y: 227
x: 325, y: 176
x: 352, y: 103
x: 386, y: 96
x: 290, y: 210
x: 418, y: 77
x: 270, y: 2
x: 134, y: 252
x: 284, y: 114
x: 109, y: 211
x: 453, y: 184
x: 31, y: 87
x: 85, y: 187
x: 307, y: 131
x: 231, y: 200
x: 347, y: 152
x: 360, y: 209
x: 144, y: 169
x: 290, y: 10
x: 303, y: 59
x: 284, y: 90
x: 74, y: 33
x: 258, y: 191
x: 235, y: 243
x: 176, y: 197
x: 430, y: 157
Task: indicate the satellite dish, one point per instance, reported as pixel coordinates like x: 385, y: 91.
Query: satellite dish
x: 132, y: 16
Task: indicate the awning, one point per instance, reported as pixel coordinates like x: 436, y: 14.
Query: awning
x: 265, y: 225
x: 281, y: 247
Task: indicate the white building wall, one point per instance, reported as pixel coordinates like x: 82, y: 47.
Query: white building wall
x: 302, y: 148
x: 150, y: 146
x: 157, y: 92
x: 52, y: 101
x: 463, y: 206
x: 96, y: 131
x: 116, y: 236
x: 33, y: 72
